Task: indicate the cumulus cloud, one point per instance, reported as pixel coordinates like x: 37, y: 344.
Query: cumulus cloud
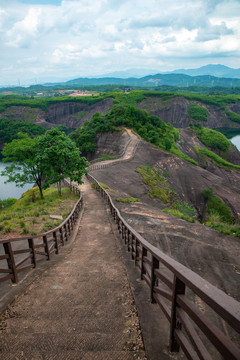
x: 97, y: 36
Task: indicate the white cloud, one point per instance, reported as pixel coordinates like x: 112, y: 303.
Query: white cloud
x: 97, y: 36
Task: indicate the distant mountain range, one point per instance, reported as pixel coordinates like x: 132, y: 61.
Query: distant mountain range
x: 180, y: 80
x: 213, y: 70
x: 205, y: 76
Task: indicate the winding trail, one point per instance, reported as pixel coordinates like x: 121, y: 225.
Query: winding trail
x: 128, y: 153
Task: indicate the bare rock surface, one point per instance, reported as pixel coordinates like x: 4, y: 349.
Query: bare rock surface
x: 212, y: 255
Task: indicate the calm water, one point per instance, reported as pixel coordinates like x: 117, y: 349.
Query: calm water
x: 10, y: 190
x: 236, y: 141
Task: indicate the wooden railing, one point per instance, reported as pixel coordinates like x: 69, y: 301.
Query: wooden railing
x: 177, y: 290
x: 24, y: 253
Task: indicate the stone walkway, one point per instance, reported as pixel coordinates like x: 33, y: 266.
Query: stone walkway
x: 82, y: 307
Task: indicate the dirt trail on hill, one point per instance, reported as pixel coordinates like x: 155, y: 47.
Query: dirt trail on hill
x: 129, y: 152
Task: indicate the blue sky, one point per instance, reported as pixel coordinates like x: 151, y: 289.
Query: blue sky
x: 55, y: 40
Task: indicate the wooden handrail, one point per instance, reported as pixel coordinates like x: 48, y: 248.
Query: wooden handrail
x: 149, y: 260
x: 48, y: 242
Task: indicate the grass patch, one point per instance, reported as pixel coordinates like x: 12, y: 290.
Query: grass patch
x: 157, y: 184
x: 182, y: 210
x: 215, y: 206
x: 214, y: 221
x: 179, y: 214
x: 127, y: 200
x: 176, y: 151
x: 233, y: 116
x: 197, y: 112
x: 31, y: 214
x: 104, y: 186
x: 80, y: 115
x: 219, y: 216
x: 203, y: 152
x: 212, y: 138
x: 104, y: 157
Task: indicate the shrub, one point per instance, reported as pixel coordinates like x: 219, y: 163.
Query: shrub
x: 233, y: 116
x: 7, y: 203
x: 127, y: 200
x: 212, y: 138
x: 217, y: 159
x: 158, y: 186
x: 197, y: 112
x: 179, y: 214
x: 104, y: 186
x: 216, y: 206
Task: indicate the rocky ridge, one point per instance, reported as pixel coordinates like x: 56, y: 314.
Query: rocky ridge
x: 73, y: 114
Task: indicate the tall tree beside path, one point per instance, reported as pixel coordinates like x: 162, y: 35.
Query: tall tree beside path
x: 43, y: 160
x: 60, y: 158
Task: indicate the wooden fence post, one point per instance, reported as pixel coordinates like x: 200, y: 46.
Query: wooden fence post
x: 61, y: 236
x: 178, y: 288
x: 46, y: 247
x: 66, y: 232
x: 55, y: 241
x: 31, y: 246
x: 11, y: 261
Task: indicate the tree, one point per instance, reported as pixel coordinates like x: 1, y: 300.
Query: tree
x: 60, y: 158
x: 44, y: 160
x: 24, y: 168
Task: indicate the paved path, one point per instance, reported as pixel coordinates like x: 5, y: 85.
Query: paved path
x: 82, y: 307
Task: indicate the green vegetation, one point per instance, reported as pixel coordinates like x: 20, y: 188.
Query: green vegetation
x: 81, y: 115
x: 219, y: 215
x: 10, y: 128
x: 215, y: 205
x: 44, y: 160
x: 43, y: 104
x: 158, y: 186
x: 160, y: 189
x: 212, y: 138
x: 104, y: 186
x: 182, y: 210
x: 31, y: 214
x: 104, y: 157
x: 197, y: 112
x: 151, y: 128
x: 221, y: 101
x: 127, y: 200
x: 203, y: 152
x: 176, y: 151
x: 233, y: 116
x: 131, y: 98
x: 7, y: 203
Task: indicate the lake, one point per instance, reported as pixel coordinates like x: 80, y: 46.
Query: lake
x: 10, y: 190
x: 236, y: 141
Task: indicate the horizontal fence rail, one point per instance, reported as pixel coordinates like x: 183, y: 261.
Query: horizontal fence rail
x: 24, y: 253
x: 176, y: 289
